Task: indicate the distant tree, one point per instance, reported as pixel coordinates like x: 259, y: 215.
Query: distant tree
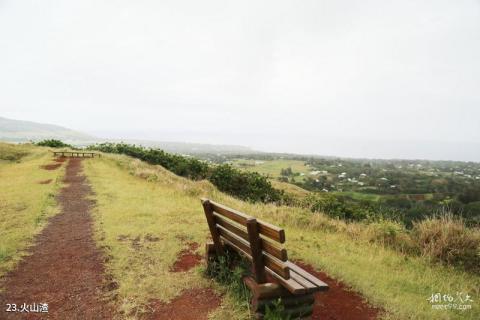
x: 469, y: 195
x: 286, y: 172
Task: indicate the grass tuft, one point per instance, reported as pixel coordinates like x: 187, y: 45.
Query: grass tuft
x: 448, y: 240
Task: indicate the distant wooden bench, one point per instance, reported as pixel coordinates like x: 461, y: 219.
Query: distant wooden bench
x: 274, y: 276
x: 74, y: 154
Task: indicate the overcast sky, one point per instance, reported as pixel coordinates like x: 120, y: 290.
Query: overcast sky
x: 349, y: 78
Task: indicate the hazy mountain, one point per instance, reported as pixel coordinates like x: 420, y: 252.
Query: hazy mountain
x: 23, y: 131
x: 189, y: 148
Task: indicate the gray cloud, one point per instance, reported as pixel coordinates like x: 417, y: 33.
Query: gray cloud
x: 319, y: 77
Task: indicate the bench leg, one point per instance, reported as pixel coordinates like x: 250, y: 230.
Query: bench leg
x: 210, y: 253
x: 268, y: 294
x: 274, y: 296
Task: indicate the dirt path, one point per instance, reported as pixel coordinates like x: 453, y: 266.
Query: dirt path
x: 65, y: 268
x: 193, y: 304
x: 339, y: 303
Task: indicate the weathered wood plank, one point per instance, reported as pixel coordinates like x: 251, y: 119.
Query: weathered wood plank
x: 230, y: 226
x: 271, y: 231
x: 290, y: 284
x: 304, y: 282
x: 239, y: 243
x: 256, y: 249
x: 267, y: 246
x: 319, y: 283
x: 234, y: 215
x: 265, y: 228
x: 211, y: 225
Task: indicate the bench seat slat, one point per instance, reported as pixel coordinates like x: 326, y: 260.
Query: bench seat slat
x: 319, y: 283
x: 302, y: 281
x: 293, y: 286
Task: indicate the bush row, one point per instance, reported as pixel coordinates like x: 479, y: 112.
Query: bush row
x: 249, y: 186
x: 53, y: 143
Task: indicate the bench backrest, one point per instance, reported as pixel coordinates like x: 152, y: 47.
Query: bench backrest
x: 259, y: 241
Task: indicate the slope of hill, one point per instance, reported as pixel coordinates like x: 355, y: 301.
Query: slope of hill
x: 137, y: 201
x: 146, y: 218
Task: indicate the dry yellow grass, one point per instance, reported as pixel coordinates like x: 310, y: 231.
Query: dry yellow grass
x: 25, y: 204
x: 445, y: 238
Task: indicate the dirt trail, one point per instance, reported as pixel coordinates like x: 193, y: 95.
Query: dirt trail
x: 187, y: 259
x: 65, y: 268
x: 193, y: 304
x: 339, y: 303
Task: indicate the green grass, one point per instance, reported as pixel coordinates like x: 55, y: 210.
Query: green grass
x: 137, y: 202
x: 273, y: 168
x: 289, y: 188
x: 361, y: 196
x: 135, y: 199
x: 25, y: 204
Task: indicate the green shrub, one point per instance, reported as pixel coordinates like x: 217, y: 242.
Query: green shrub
x: 276, y: 311
x: 336, y: 207
x: 249, y: 186
x: 53, y: 143
x: 472, y: 213
x: 229, y: 271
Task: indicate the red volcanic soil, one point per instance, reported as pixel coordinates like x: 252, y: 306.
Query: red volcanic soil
x: 193, y: 304
x: 51, y: 166
x: 339, y: 302
x: 64, y: 268
x: 61, y: 159
x: 187, y: 259
x: 45, y: 181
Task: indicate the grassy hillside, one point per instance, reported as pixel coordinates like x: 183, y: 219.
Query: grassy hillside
x: 26, y: 199
x: 137, y: 201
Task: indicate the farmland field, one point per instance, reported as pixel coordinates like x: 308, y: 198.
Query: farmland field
x: 273, y: 168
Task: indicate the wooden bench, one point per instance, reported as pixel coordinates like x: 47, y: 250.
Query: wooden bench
x: 74, y: 154
x: 273, y: 275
